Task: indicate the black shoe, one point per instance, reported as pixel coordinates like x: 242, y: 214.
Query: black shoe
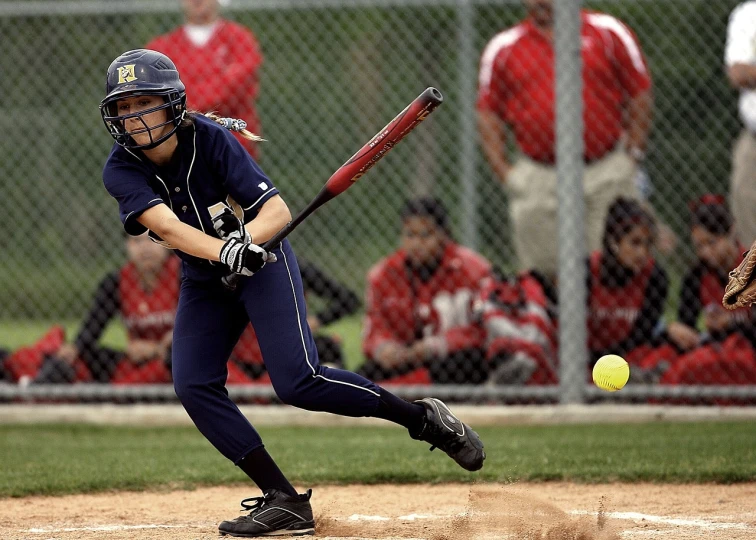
x: 274, y: 514
x: 445, y: 431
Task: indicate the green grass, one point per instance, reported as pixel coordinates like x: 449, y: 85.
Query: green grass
x: 61, y: 459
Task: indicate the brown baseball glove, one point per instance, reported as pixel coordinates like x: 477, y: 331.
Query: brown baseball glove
x: 741, y: 288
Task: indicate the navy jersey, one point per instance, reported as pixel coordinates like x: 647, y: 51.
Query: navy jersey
x: 210, y: 167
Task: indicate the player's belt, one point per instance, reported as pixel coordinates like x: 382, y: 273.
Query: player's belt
x: 586, y: 160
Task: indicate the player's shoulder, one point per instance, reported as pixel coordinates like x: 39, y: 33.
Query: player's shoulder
x: 388, y: 265
x: 745, y: 10
x: 505, y: 40
x: 120, y: 158
x: 470, y: 259
x: 606, y: 22
x: 203, y: 123
x: 226, y: 26
x: 208, y: 129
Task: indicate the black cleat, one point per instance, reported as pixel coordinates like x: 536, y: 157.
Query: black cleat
x: 274, y: 514
x: 445, y: 431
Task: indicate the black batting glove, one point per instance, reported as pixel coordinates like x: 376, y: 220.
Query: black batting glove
x: 243, y: 258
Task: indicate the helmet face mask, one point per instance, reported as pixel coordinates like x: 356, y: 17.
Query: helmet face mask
x: 143, y: 72
x: 116, y: 123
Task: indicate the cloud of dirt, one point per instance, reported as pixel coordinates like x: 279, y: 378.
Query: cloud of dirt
x: 491, y: 513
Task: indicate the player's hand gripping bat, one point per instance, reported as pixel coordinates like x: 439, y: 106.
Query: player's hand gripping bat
x: 360, y: 163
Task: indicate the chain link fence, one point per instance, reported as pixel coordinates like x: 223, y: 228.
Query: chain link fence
x: 332, y: 73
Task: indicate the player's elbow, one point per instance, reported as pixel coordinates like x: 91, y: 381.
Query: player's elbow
x: 276, y: 211
x: 164, y: 228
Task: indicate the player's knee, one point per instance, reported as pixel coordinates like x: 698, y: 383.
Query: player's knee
x: 293, y: 388
x: 287, y: 394
x: 298, y: 393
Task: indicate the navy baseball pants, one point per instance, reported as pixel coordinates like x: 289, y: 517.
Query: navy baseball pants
x: 210, y: 320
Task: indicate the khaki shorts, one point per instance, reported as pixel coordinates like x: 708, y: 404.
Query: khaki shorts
x: 532, y: 188
x: 743, y: 187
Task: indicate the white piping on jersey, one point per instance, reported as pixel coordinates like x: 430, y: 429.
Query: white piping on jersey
x: 170, y: 202
x: 194, y: 155
x: 258, y: 199
x: 127, y: 219
x: 301, y: 335
x: 616, y: 27
x: 500, y: 41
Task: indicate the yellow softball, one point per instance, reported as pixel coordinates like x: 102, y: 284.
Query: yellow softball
x: 611, y: 372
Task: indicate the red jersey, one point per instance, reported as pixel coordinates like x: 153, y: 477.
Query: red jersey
x: 403, y: 308
x: 516, y: 322
x: 247, y: 349
x: 149, y: 314
x: 221, y: 75
x: 614, y: 310
x: 517, y: 83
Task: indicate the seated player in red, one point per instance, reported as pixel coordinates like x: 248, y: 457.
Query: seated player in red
x: 144, y: 293
x: 520, y: 335
x: 419, y: 321
x: 246, y: 363
x: 627, y: 291
x: 22, y: 365
x: 724, y: 352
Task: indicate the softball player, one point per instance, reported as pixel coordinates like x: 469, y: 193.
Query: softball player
x: 171, y: 170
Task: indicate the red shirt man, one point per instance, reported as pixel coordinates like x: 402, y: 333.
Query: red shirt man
x: 419, y: 323
x: 517, y: 83
x: 219, y: 62
x: 517, y: 88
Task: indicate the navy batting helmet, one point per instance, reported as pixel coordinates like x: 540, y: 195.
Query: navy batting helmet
x: 142, y: 72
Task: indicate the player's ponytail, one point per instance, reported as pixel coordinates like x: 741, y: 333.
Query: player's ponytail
x: 234, y: 124
x: 231, y: 124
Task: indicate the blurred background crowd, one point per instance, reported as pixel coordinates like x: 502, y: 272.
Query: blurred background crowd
x: 442, y: 267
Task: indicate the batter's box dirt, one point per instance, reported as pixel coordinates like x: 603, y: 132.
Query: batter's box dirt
x: 544, y: 511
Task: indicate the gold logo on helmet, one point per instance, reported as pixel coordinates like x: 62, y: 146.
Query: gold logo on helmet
x: 126, y: 74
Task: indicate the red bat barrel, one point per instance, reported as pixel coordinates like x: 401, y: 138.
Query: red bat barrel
x: 386, y: 139
x: 361, y: 162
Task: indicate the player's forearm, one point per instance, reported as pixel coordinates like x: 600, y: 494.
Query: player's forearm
x: 273, y: 216
x: 106, y: 305
x: 640, y: 112
x: 742, y: 76
x: 193, y: 241
x: 493, y: 140
x: 180, y: 235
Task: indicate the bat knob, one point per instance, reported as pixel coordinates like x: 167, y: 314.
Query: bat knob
x: 230, y: 282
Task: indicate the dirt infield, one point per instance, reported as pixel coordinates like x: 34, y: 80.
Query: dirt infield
x: 549, y: 511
